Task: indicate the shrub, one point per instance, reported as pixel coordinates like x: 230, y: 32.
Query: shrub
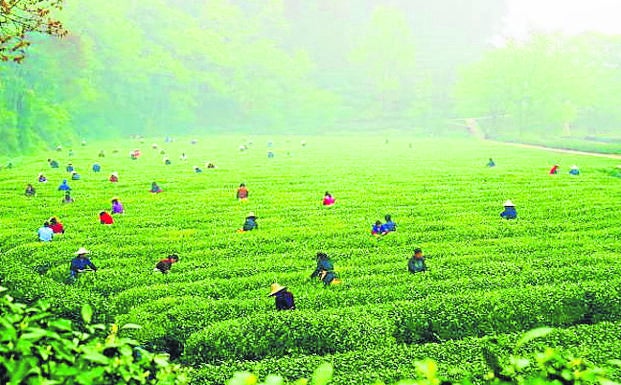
x: 39, y: 348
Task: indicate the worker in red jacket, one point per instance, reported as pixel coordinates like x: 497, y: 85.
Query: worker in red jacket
x: 105, y: 218
x: 164, y: 265
x: 56, y: 226
x: 554, y: 170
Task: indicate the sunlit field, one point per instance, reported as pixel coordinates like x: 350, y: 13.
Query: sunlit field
x: 488, y: 281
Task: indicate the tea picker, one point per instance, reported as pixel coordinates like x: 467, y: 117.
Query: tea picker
x: 416, y: 264
x: 80, y: 264
x: 509, y: 212
x: 325, y: 270
x: 164, y: 265
x: 283, y: 298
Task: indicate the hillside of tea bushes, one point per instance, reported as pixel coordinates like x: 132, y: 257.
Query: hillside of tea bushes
x: 489, y: 280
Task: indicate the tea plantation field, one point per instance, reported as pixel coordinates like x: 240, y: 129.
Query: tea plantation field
x: 489, y: 280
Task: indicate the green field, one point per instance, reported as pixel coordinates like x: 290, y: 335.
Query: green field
x: 556, y: 265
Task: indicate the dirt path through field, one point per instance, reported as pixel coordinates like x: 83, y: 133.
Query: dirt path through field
x: 565, y: 151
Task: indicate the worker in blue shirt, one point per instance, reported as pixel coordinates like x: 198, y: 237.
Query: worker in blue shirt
x: 250, y: 223
x: 376, y: 229
x: 80, y: 263
x: 75, y: 175
x: 510, y: 212
x: 96, y: 167
x: 284, y: 298
x: 389, y: 225
x: 64, y: 186
x: 574, y: 170
x: 416, y: 264
x: 325, y: 270
x: 45, y: 233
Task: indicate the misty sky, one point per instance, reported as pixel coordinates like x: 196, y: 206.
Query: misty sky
x: 568, y: 16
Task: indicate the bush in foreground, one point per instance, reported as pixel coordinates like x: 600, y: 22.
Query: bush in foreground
x: 36, y: 347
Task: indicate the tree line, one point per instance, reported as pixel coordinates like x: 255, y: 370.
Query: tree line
x: 222, y: 65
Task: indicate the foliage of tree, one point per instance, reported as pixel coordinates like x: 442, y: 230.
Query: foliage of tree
x: 18, y: 18
x: 249, y: 65
x: 386, y: 58
x: 40, y: 348
x: 184, y: 67
x: 548, y: 85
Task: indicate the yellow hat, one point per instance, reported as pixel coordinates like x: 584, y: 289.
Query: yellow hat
x: 276, y: 288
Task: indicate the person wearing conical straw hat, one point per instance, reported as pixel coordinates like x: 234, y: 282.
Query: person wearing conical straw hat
x: 114, y: 177
x: 509, y: 212
x: 80, y: 263
x: 574, y: 170
x: 283, y: 297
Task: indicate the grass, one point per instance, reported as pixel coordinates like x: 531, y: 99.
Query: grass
x: 556, y: 265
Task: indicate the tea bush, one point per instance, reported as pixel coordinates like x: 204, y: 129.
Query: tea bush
x: 556, y: 265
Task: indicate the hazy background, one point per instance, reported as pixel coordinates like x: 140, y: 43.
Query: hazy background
x: 523, y: 68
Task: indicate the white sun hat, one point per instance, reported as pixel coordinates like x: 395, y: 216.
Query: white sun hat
x: 81, y: 250
x: 508, y: 203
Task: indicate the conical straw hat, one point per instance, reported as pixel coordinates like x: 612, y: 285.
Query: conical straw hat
x: 276, y: 287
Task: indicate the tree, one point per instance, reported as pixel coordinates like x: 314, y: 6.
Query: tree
x: 20, y: 17
x: 541, y: 85
x: 385, y: 57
